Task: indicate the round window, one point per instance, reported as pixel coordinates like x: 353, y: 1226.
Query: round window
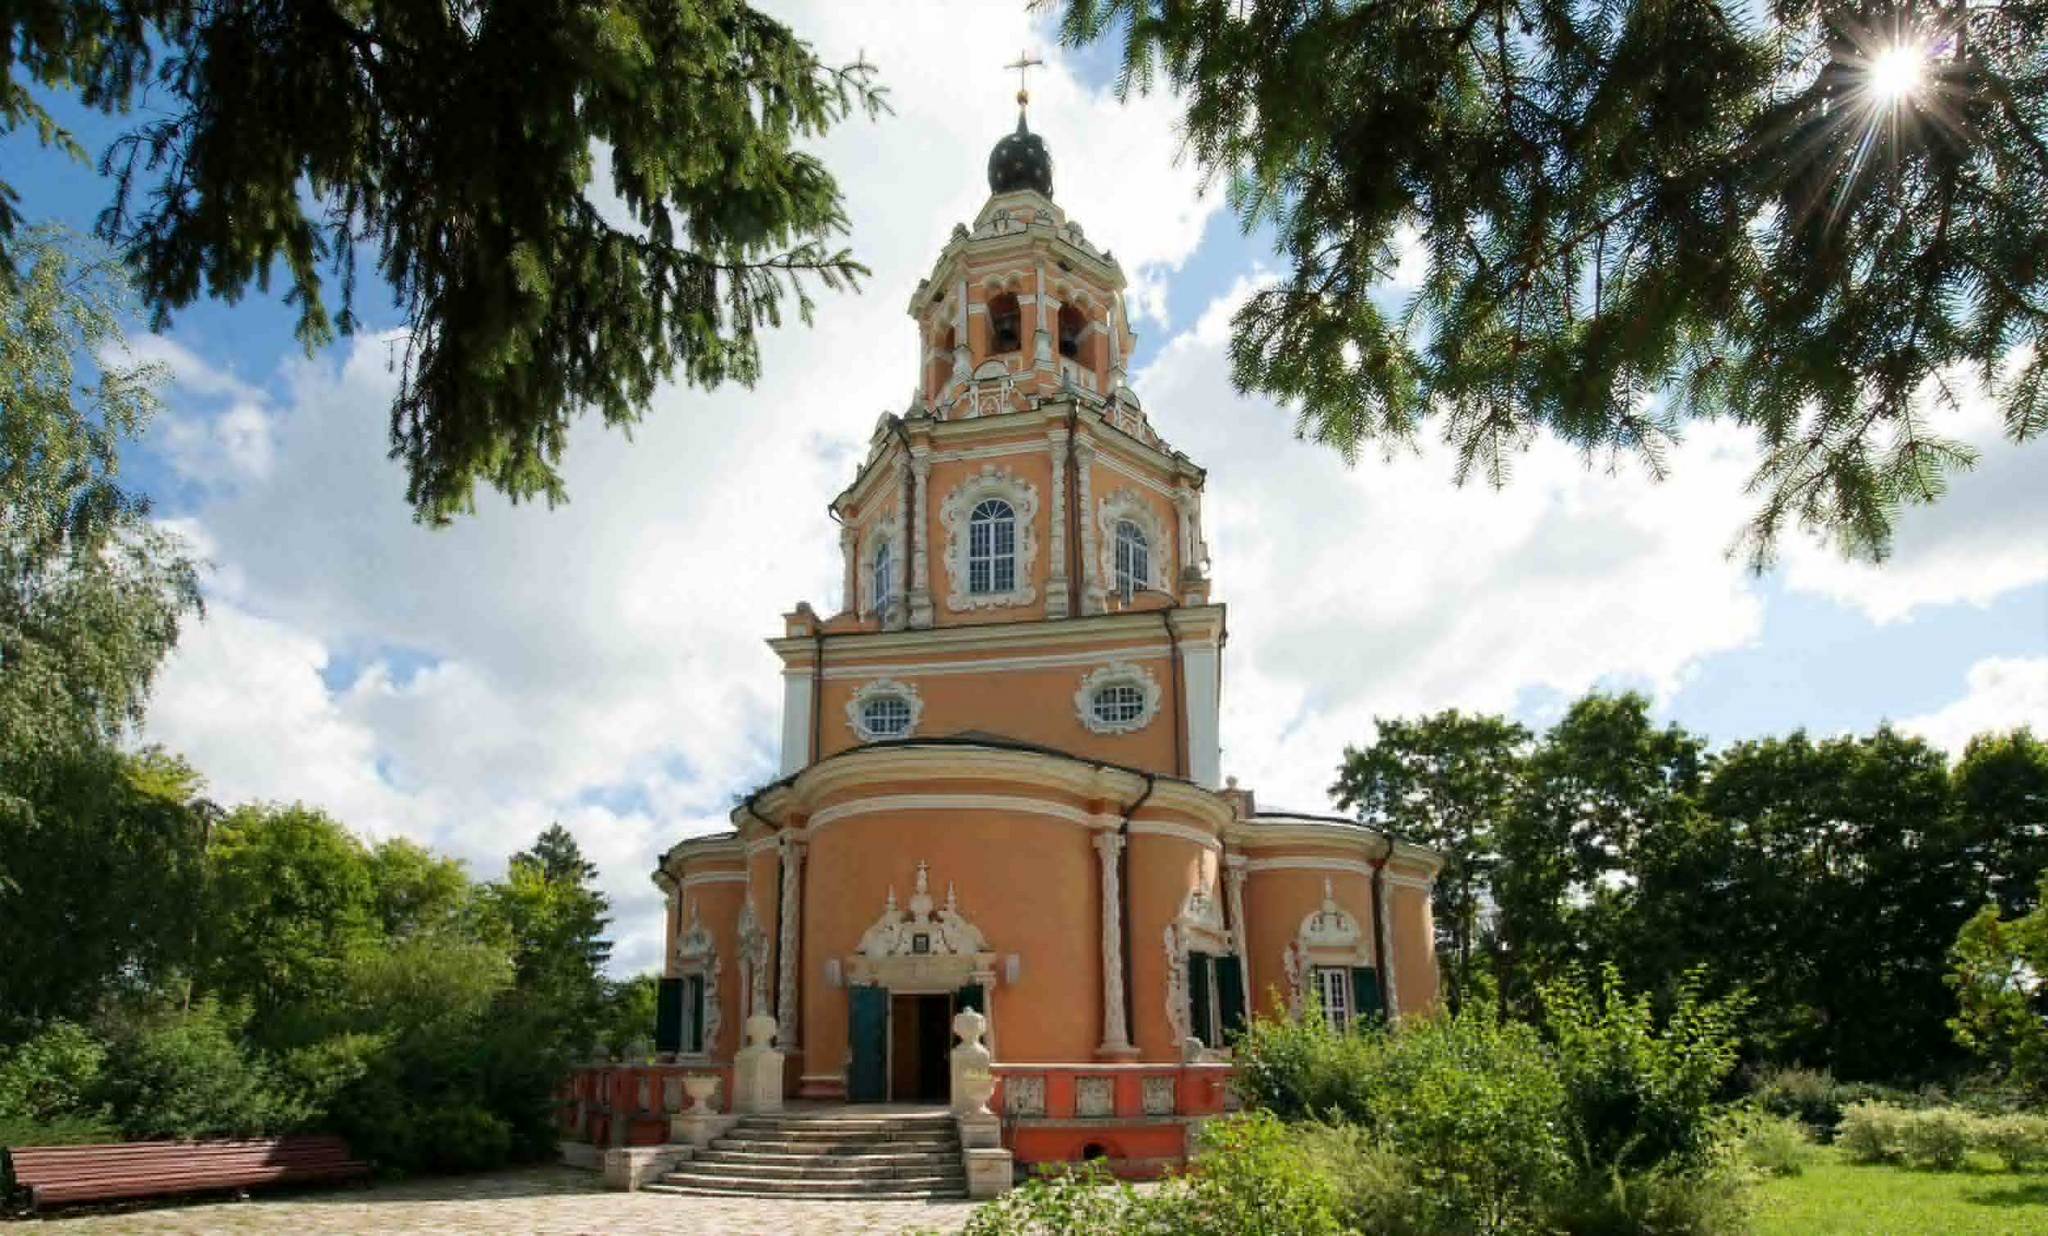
x: 1118, y: 704
x: 886, y: 716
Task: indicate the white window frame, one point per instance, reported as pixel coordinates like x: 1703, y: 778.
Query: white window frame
x: 955, y: 511
x: 879, y: 689
x: 1334, y: 994
x: 994, y: 558
x: 1117, y: 674
x: 1133, y: 559
x: 1128, y: 503
x: 882, y: 577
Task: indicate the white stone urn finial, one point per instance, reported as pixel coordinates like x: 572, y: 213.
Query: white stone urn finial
x: 703, y: 1090
x: 970, y: 1025
x: 973, y: 1080
x: 760, y: 1030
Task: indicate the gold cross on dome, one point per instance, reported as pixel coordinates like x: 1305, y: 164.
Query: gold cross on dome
x: 1025, y: 61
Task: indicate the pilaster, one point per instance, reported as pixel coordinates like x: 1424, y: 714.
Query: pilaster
x: 1094, y: 599
x: 787, y: 950
x: 919, y: 532
x: 1116, y: 1035
x: 1056, y: 598
x: 1235, y: 868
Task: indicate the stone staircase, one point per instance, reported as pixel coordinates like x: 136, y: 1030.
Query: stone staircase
x: 837, y: 1156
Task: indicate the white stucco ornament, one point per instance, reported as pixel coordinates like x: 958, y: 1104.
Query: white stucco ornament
x: 918, y: 931
x: 1330, y: 926
x: 990, y: 481
x: 1117, y: 674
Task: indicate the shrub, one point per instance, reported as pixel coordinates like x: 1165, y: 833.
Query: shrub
x: 1298, y: 1068
x: 1251, y: 1175
x: 1810, y: 1096
x: 1939, y: 1137
x: 1709, y: 1200
x: 49, y: 1075
x: 1642, y: 1097
x: 1376, y: 1196
x: 1773, y: 1144
x: 2020, y: 1141
x: 1873, y: 1132
x: 187, y: 1074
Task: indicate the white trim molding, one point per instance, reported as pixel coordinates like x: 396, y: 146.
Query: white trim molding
x: 880, y: 689
x: 1124, y: 503
x: 1117, y: 674
x: 991, y: 481
x: 960, y: 802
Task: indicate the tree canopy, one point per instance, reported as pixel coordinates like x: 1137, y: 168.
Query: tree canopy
x: 459, y: 143
x: 1818, y: 220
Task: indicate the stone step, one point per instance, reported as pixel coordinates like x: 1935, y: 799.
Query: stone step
x: 796, y: 1145
x: 830, y: 1170
x: 820, y: 1161
x: 848, y: 1128
x: 955, y: 1184
x: 816, y: 1195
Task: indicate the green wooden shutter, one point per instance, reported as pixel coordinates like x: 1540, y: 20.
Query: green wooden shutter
x: 668, y: 1016
x: 1365, y: 994
x: 697, y: 1043
x: 1199, y: 977
x: 1230, y: 993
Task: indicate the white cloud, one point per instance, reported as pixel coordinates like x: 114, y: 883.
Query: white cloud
x: 1961, y: 549
x: 2002, y: 693
x: 1384, y: 590
x: 602, y: 664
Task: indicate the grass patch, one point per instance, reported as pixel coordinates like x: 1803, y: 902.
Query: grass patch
x: 1835, y: 1195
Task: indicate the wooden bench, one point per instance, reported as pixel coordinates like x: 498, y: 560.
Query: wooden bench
x: 69, y: 1175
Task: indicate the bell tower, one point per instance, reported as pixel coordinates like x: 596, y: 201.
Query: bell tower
x: 1023, y: 487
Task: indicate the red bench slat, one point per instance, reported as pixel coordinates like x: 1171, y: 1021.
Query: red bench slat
x: 65, y: 1174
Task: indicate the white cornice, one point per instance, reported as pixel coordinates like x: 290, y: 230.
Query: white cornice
x: 1015, y: 805
x: 715, y: 877
x: 1026, y: 634
x: 1181, y: 832
x: 1150, y: 652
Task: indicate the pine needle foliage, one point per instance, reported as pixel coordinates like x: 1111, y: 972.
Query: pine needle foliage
x: 459, y: 141
x: 1634, y: 213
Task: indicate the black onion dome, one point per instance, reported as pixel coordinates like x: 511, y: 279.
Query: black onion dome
x: 1020, y: 161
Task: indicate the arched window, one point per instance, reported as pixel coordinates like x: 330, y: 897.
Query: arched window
x: 882, y: 584
x: 1133, y: 559
x: 1072, y: 325
x: 1005, y: 325
x: 992, y: 547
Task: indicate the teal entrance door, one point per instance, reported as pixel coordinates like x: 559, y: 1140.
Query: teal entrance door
x: 867, y: 1032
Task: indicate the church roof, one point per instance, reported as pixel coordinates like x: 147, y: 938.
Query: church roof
x: 1020, y: 161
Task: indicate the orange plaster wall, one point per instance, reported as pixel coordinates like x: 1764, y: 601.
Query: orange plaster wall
x: 718, y: 908
x: 1028, y: 882
x: 1162, y: 870
x: 1035, y: 705
x: 1275, y: 903
x: 1414, y: 935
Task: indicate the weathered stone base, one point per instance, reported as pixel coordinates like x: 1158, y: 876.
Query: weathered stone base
x: 582, y: 1155
x: 629, y: 1167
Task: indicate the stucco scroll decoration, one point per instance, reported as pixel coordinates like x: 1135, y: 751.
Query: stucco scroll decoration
x: 786, y: 945
x: 753, y: 958
x: 991, y: 481
x: 1116, y: 673
x: 1329, y: 936
x: 1179, y: 1017
x: 901, y: 932
x: 1201, y: 914
x: 1124, y: 503
x: 880, y: 688
x: 697, y: 953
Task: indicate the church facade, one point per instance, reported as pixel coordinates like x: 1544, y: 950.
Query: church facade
x: 1000, y: 778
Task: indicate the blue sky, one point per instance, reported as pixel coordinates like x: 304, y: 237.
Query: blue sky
x: 602, y: 663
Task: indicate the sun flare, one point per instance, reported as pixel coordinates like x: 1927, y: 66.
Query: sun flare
x: 1896, y: 72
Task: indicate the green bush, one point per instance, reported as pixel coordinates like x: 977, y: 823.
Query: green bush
x: 188, y: 1074
x: 1376, y: 1195
x: 1250, y: 1175
x: 1641, y: 1096
x: 1874, y: 1132
x: 1707, y: 1200
x: 70, y: 1129
x: 1939, y: 1137
x: 1773, y: 1144
x: 1298, y: 1068
x: 2020, y: 1141
x: 1810, y: 1096
x: 49, y: 1076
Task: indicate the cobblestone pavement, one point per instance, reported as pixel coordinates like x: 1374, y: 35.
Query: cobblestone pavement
x: 557, y: 1201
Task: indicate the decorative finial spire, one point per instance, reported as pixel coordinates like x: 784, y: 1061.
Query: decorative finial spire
x: 1025, y: 61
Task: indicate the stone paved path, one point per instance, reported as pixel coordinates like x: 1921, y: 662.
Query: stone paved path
x: 557, y: 1201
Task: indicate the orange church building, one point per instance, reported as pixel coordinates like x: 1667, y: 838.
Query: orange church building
x: 1000, y: 782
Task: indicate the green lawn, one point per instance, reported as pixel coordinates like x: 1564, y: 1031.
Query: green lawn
x: 1837, y: 1196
